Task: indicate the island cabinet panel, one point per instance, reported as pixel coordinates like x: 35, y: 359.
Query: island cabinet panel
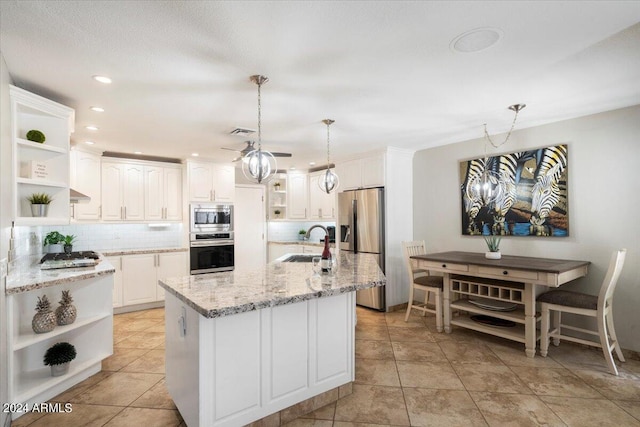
x: 237, y: 344
x: 286, y: 354
x: 332, y: 342
x: 236, y: 369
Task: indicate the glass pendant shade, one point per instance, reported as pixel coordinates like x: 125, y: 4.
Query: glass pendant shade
x: 486, y: 188
x: 259, y: 166
x: 329, y: 181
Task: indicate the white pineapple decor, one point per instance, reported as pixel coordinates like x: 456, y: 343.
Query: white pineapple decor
x: 66, y: 312
x: 45, y: 318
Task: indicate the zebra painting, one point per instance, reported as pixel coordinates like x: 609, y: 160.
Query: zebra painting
x: 552, y: 162
x: 528, y: 192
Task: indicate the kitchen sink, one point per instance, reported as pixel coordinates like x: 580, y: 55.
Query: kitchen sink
x: 301, y: 258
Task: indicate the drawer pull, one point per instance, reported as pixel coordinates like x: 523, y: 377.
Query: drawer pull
x: 505, y: 272
x: 444, y: 265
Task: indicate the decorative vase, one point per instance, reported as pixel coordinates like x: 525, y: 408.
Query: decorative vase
x: 55, y: 249
x: 68, y: 249
x: 493, y: 255
x: 58, y: 370
x: 39, y: 210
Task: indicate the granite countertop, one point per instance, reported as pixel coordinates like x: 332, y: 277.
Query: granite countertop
x: 279, y: 283
x: 25, y: 274
x: 116, y: 252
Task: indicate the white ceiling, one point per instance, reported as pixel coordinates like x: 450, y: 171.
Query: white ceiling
x: 383, y: 70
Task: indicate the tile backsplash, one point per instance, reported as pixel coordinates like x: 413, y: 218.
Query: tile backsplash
x: 286, y: 231
x: 101, y: 237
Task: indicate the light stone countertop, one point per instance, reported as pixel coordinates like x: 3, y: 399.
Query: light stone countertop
x: 25, y: 274
x: 297, y: 242
x: 116, y: 252
x: 279, y: 283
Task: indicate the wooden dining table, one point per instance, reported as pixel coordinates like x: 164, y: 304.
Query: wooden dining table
x: 472, y: 283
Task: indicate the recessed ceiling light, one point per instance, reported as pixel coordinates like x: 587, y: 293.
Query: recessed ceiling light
x: 312, y: 163
x: 89, y: 142
x: 292, y: 168
x: 91, y: 127
x: 195, y: 154
x: 476, y: 40
x: 97, y: 109
x: 102, y: 79
x: 137, y: 152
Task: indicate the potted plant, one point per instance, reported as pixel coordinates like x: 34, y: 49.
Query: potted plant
x: 39, y: 204
x: 68, y: 243
x: 302, y: 234
x: 277, y: 213
x: 493, y: 243
x: 36, y: 136
x: 54, y: 242
x: 58, y: 356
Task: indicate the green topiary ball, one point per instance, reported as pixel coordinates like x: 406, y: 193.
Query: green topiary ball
x: 36, y: 136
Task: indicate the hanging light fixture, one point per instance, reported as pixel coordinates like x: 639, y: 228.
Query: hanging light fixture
x: 259, y: 165
x: 488, y: 186
x: 329, y: 180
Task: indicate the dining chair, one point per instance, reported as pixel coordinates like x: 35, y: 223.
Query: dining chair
x: 422, y: 280
x: 599, y: 307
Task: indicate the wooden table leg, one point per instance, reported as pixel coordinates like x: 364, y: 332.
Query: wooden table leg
x: 446, y: 300
x: 530, y: 319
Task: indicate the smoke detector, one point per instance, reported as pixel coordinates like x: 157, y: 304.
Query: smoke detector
x: 476, y: 40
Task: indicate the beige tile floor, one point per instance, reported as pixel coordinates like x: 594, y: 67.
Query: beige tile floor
x: 406, y: 374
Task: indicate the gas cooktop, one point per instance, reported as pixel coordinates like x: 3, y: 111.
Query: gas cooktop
x: 69, y: 260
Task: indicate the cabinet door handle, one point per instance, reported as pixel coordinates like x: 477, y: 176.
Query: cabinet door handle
x: 211, y: 195
x: 320, y: 212
x: 333, y: 212
x: 505, y: 272
x: 444, y: 265
x: 125, y: 212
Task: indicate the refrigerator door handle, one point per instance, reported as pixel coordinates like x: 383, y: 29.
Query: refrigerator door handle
x: 354, y: 225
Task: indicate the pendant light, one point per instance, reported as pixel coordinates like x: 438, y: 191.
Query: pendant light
x: 329, y: 180
x: 259, y: 165
x: 488, y: 187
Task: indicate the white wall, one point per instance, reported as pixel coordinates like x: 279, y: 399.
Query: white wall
x: 604, y: 190
x: 5, y: 215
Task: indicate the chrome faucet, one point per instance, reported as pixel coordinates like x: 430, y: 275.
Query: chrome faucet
x: 326, y: 232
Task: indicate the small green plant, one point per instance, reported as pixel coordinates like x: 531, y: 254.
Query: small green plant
x: 39, y: 199
x: 36, y: 136
x: 302, y: 232
x: 277, y: 212
x: 68, y: 240
x: 59, y: 353
x: 53, y: 238
x: 493, y: 243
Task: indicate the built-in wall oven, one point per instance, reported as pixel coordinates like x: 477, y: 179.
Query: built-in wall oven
x: 211, y: 238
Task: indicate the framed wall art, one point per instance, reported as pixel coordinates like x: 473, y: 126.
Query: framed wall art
x: 521, y: 194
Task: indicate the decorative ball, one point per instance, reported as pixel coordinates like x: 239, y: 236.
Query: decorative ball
x: 36, y: 136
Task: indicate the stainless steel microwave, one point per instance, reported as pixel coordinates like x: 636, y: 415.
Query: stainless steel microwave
x: 210, y: 217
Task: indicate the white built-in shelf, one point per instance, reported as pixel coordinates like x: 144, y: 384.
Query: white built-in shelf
x: 37, y: 151
x: 278, y: 206
x: 33, y: 221
x: 42, y: 182
x: 32, y: 383
x: 280, y: 191
x: 26, y: 340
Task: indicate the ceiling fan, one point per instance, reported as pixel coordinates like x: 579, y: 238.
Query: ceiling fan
x: 249, y: 148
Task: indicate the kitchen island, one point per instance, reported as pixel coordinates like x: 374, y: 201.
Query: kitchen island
x: 243, y: 345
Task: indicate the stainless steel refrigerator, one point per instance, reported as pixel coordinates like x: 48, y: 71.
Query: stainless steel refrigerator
x: 361, y: 220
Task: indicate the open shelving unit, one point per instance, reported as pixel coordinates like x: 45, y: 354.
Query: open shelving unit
x: 462, y: 288
x: 56, y: 121
x: 30, y: 381
x: 278, y: 197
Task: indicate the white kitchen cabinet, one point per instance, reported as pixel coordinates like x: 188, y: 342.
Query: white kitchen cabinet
x: 137, y: 275
x: 40, y: 167
x: 297, y: 196
x: 122, y: 191
x: 86, y: 178
x: 209, y: 182
x: 162, y: 193
x: 139, y: 279
x: 169, y: 264
x: 116, y: 262
x: 322, y: 206
x: 366, y: 172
